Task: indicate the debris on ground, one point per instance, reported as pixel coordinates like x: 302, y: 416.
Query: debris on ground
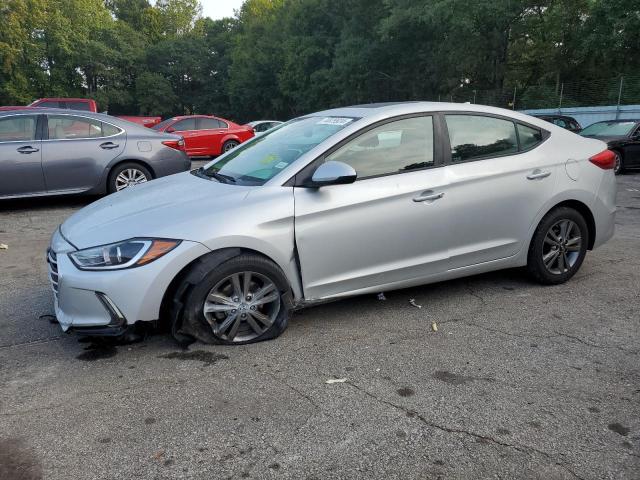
x: 413, y: 302
x: 381, y: 296
x: 335, y: 380
x: 434, y: 326
x: 4, y: 246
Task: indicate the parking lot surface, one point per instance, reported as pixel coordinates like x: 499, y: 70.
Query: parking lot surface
x: 519, y: 381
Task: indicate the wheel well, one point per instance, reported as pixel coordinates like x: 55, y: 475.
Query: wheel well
x: 587, y: 215
x: 177, y: 282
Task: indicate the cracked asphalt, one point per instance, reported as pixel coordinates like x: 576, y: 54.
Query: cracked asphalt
x: 519, y: 381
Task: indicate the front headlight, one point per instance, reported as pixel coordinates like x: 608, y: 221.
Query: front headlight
x: 127, y: 254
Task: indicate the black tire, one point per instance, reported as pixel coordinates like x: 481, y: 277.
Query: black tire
x: 619, y: 165
x: 113, y: 176
x: 229, y: 145
x: 539, y: 247
x: 188, y: 317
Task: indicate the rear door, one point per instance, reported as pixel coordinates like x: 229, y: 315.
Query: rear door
x: 498, y: 184
x: 210, y: 135
x: 77, y: 150
x: 187, y: 129
x: 390, y: 227
x: 20, y: 155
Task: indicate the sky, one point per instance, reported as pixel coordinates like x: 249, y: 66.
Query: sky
x: 219, y: 8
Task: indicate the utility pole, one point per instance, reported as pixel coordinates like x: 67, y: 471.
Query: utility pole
x: 561, y: 92
x: 513, y: 103
x: 619, y: 98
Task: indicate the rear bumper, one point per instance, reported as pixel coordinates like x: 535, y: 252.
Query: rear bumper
x: 604, y: 209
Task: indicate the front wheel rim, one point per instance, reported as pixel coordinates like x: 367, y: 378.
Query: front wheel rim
x: 130, y: 177
x: 242, y: 306
x: 562, y: 246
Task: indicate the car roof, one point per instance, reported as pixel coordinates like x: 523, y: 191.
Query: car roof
x: 619, y: 120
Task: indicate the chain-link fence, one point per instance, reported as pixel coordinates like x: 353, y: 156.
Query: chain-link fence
x: 621, y: 90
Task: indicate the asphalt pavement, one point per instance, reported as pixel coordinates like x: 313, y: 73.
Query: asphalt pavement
x: 519, y: 381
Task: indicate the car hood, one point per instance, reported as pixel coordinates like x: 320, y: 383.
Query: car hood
x: 163, y: 208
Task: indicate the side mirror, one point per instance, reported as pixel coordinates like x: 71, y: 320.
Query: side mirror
x: 333, y: 173
x: 170, y: 130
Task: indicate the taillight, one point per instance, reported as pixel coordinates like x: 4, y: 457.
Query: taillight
x: 605, y: 160
x: 177, y: 144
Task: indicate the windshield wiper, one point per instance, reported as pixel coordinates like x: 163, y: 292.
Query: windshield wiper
x: 218, y: 176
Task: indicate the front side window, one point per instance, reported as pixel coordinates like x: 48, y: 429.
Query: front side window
x: 186, y: 124
x: 394, y: 147
x: 18, y: 128
x: 67, y: 127
x: 475, y: 136
x: 529, y: 137
x: 257, y: 161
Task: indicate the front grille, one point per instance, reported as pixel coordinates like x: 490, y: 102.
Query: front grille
x: 52, y: 260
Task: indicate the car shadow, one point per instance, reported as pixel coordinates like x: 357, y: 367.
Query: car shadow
x: 45, y: 203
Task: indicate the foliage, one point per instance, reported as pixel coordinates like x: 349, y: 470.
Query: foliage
x: 281, y: 58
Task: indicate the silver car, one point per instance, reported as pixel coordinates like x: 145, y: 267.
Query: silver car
x: 338, y: 203
x: 59, y: 151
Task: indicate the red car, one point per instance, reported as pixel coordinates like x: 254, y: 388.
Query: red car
x: 206, y: 135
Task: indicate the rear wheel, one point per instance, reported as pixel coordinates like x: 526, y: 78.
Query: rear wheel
x: 229, y: 145
x: 618, y: 167
x: 239, y: 301
x: 558, y: 247
x: 127, y: 175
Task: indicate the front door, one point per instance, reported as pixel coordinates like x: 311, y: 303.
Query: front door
x: 497, y: 185
x: 388, y: 229
x: 77, y: 151
x: 20, y: 156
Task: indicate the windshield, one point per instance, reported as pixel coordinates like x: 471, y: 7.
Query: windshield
x: 604, y: 129
x: 261, y: 159
x: 164, y: 123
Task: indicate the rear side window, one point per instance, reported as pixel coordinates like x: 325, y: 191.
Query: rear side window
x: 394, y: 147
x: 109, y: 130
x: 475, y: 136
x: 186, y: 124
x: 208, y: 124
x: 18, y: 128
x: 68, y: 127
x: 529, y: 137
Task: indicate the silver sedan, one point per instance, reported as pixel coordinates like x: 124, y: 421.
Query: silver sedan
x: 337, y: 203
x: 46, y: 151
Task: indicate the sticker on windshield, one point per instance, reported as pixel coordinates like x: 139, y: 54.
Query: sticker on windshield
x: 280, y: 165
x: 335, y: 121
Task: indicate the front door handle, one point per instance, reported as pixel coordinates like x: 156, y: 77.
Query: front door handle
x: 109, y: 145
x: 428, y: 195
x: 28, y: 149
x: 537, y: 173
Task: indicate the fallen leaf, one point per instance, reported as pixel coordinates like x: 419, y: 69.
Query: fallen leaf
x: 434, y: 326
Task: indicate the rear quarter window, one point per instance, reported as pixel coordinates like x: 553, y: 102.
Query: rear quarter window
x: 529, y: 137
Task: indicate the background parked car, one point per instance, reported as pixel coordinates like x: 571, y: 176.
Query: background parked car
x: 562, y: 121
x: 261, y: 126
x: 54, y: 152
x: 623, y: 138
x: 206, y: 135
x: 90, y: 105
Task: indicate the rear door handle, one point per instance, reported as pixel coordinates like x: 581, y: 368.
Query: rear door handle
x: 537, y: 173
x: 428, y: 195
x: 109, y: 145
x: 28, y: 149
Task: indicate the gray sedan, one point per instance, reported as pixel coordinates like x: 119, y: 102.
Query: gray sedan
x: 341, y: 202
x: 56, y: 152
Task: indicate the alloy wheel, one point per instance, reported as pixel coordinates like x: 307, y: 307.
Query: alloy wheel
x: 129, y: 178
x: 562, y: 245
x: 230, y: 146
x: 618, y: 163
x: 242, y: 306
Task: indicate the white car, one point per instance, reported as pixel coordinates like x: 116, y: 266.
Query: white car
x: 342, y: 202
